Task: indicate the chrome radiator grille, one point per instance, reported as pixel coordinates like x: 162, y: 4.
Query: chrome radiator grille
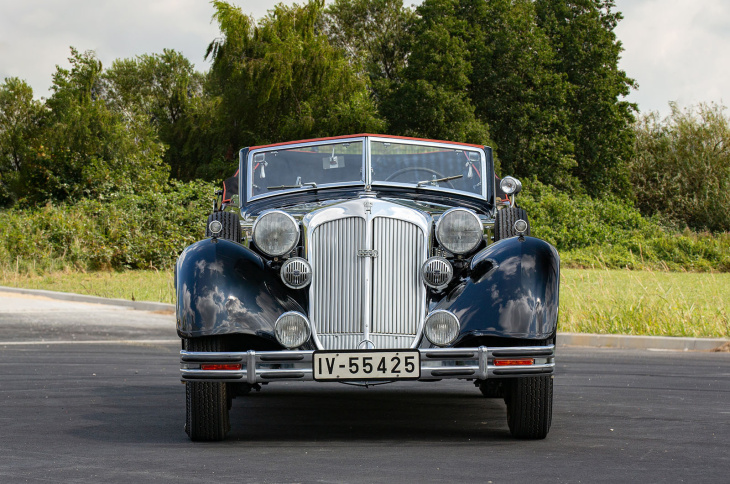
x: 397, y: 307
x: 339, y: 293
x: 338, y: 276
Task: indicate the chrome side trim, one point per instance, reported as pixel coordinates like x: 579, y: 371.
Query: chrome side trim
x: 436, y: 363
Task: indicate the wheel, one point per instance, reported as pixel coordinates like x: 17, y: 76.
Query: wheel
x: 206, y: 403
x: 491, y: 388
x: 529, y: 406
x: 505, y: 220
x: 231, y: 226
x: 408, y: 169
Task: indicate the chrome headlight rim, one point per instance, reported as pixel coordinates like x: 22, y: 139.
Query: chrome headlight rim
x: 278, y: 330
x: 260, y: 246
x: 307, y: 274
x: 428, y: 331
x: 477, y: 240
x: 510, y: 185
x: 432, y: 284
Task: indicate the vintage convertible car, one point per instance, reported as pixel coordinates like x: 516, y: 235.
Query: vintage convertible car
x: 367, y: 259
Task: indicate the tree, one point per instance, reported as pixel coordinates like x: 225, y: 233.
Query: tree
x: 166, y: 89
x: 20, y: 118
x: 374, y: 34
x: 682, y: 167
x: 88, y: 149
x: 282, y: 79
x: 430, y: 97
x: 581, y: 34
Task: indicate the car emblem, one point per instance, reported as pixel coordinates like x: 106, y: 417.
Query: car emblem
x: 367, y: 253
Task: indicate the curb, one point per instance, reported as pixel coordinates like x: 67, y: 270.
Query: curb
x: 631, y: 342
x: 614, y: 341
x: 69, y: 296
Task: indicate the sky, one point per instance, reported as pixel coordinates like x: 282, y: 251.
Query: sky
x: 676, y: 50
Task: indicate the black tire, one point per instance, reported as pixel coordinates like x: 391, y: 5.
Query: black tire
x: 529, y: 406
x: 505, y: 220
x: 206, y: 403
x: 231, y: 226
x: 491, y: 388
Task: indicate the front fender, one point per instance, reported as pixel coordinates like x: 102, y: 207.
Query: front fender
x: 511, y: 291
x: 223, y: 288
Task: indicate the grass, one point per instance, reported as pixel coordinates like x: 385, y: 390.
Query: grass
x: 138, y: 285
x: 656, y: 303
x: 653, y: 303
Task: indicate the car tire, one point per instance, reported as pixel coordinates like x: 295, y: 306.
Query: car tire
x: 504, y: 222
x: 529, y: 406
x: 206, y: 403
x: 231, y: 226
x: 491, y: 389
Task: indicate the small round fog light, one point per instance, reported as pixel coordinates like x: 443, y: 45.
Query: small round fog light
x: 437, y: 272
x: 296, y: 273
x: 292, y: 329
x: 441, y: 328
x: 520, y: 227
x: 215, y: 228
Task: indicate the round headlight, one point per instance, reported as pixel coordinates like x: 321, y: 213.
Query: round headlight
x: 275, y: 233
x: 437, y: 272
x: 441, y: 327
x: 510, y: 185
x: 292, y: 329
x: 296, y: 273
x: 459, y: 230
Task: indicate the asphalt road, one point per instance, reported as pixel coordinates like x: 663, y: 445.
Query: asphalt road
x: 91, y: 393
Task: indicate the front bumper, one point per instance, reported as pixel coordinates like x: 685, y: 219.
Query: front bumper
x: 436, y: 363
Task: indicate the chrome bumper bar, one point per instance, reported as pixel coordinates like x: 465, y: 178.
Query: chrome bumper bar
x: 436, y: 363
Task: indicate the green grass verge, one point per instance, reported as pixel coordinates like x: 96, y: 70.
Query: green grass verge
x: 140, y: 285
x: 591, y: 300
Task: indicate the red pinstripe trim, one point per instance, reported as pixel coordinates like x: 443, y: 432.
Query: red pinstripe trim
x: 362, y: 135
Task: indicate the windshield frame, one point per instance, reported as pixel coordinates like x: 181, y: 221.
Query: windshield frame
x: 288, y: 146
x: 247, y: 156
x: 436, y: 144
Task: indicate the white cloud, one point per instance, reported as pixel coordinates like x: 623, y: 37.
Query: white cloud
x: 677, y: 50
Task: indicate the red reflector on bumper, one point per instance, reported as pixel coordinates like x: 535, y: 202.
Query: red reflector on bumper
x: 220, y: 367
x: 522, y: 361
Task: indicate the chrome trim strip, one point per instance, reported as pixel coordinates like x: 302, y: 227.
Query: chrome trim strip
x: 436, y: 363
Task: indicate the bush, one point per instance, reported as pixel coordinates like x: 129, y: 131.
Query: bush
x: 682, y: 167
x: 612, y: 233
x: 130, y: 231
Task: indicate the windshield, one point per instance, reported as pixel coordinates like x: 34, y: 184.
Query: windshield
x: 427, y: 166
x: 306, y: 166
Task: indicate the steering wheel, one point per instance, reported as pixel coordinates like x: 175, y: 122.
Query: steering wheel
x: 408, y: 169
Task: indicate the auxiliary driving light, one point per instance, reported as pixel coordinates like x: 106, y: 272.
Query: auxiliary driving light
x: 441, y: 327
x: 215, y: 228
x: 437, y: 272
x: 292, y: 329
x: 520, y: 227
x: 296, y: 273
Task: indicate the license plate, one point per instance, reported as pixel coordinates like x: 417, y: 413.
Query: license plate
x: 367, y: 365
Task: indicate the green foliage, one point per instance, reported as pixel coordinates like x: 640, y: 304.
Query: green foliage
x: 87, y: 149
x: 430, y: 100
x: 167, y: 91
x: 586, y: 53
x: 610, y: 232
x: 20, y: 117
x: 282, y: 79
x: 682, y: 167
x: 126, y: 231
